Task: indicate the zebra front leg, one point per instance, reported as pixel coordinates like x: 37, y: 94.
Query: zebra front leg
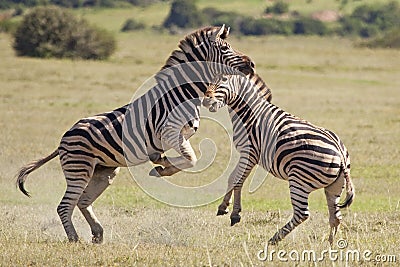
x: 158, y: 158
x: 235, y: 183
x: 165, y: 162
x: 237, y: 205
x: 242, y: 171
x: 223, y: 207
x: 299, y: 198
x: 187, y: 160
x: 332, y: 194
x: 102, y: 178
x: 176, y: 165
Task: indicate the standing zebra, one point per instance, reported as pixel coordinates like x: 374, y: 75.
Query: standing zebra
x: 92, y: 151
x: 307, y: 156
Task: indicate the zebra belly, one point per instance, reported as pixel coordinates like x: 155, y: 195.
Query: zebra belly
x: 309, y: 167
x: 301, y: 158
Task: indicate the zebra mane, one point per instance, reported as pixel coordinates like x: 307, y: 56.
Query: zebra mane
x: 190, y: 43
x: 263, y: 90
x: 256, y: 82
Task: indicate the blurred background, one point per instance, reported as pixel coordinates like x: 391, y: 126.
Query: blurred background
x: 371, y: 23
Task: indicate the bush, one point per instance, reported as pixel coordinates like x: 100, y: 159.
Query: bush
x: 67, y: 3
x: 55, y: 32
x: 251, y: 26
x: 391, y: 39
x: 183, y: 14
x: 8, y: 26
x: 368, y: 31
x: 142, y: 2
x: 278, y: 7
x: 132, y: 25
x: 6, y: 4
x: 368, y: 21
x: 214, y: 16
x: 90, y: 43
x: 349, y: 26
x: 309, y: 26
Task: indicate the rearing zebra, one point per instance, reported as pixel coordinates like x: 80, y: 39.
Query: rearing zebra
x: 307, y: 156
x: 92, y: 151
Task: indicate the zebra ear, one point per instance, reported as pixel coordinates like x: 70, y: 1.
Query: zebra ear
x: 222, y: 33
x: 225, y: 34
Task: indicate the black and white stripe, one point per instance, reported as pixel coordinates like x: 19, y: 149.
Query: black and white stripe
x: 307, y: 156
x: 92, y: 151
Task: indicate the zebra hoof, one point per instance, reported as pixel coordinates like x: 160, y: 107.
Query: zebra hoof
x: 97, y: 239
x: 235, y: 220
x: 275, y: 239
x: 272, y: 242
x: 155, y: 157
x: 222, y: 212
x: 154, y: 172
x: 74, y: 239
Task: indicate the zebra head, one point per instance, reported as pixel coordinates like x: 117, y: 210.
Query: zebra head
x: 221, y: 91
x: 225, y: 89
x: 207, y: 45
x: 227, y: 58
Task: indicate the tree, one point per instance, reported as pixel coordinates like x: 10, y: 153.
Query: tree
x: 183, y: 14
x: 279, y: 8
x: 132, y: 25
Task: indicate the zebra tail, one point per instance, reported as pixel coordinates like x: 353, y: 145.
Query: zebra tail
x: 349, y: 189
x: 30, y: 167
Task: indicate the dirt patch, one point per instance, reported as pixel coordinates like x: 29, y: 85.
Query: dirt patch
x: 326, y: 15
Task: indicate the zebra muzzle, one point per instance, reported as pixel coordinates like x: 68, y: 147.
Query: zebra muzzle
x: 207, y: 102
x: 214, y: 107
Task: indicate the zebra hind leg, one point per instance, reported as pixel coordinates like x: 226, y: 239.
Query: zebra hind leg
x: 237, y: 205
x: 332, y: 193
x: 102, y: 178
x: 223, y: 207
x: 299, y: 198
x: 75, y: 188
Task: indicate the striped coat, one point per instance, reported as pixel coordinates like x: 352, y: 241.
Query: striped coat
x: 307, y: 156
x: 92, y: 151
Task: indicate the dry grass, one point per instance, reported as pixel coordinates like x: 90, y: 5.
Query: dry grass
x: 148, y: 235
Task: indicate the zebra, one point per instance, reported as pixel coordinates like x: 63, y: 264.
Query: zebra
x: 307, y: 156
x: 92, y: 151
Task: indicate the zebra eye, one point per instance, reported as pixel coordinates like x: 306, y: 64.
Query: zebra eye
x: 224, y: 48
x: 224, y: 79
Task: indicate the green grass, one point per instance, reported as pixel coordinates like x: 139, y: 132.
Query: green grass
x: 114, y: 19
x: 351, y: 90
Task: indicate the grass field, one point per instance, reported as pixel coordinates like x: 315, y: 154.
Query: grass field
x: 352, y: 91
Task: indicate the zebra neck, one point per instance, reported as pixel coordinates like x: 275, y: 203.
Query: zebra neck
x: 186, y: 65
x: 261, y: 87
x: 188, y: 53
x: 191, y: 77
x: 248, y: 104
